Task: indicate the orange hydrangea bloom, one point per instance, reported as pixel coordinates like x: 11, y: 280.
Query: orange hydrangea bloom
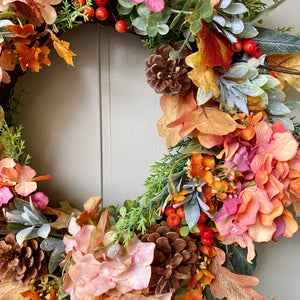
x: 22, y: 32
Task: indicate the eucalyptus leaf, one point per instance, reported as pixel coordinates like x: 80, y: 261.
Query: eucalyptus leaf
x: 287, y: 122
x: 249, y: 31
x: 196, y: 26
x: 220, y: 20
x: 152, y: 31
x: 238, y: 260
x: 126, y: 3
x: 184, y: 231
x: 207, y: 12
x: 140, y: 23
x: 202, y: 97
x: 277, y: 108
x: 23, y: 234
x: 163, y: 29
x: 276, y: 42
x: 275, y: 95
x: 44, y: 231
x: 235, y: 9
x: 236, y: 25
x: 192, y: 211
x: 225, y: 3
x: 122, y: 10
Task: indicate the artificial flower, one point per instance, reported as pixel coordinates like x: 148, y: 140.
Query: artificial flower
x: 153, y: 5
x: 5, y: 195
x: 39, y: 200
x: 22, y: 31
x: 41, y: 8
x: 22, y: 177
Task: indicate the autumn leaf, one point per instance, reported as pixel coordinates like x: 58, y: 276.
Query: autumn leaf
x: 289, y: 62
x: 62, y: 49
x: 207, y: 120
x: 230, y: 285
x: 214, y: 49
x: 9, y: 291
x: 203, y: 76
x: 173, y: 107
x: 63, y: 214
x: 296, y: 205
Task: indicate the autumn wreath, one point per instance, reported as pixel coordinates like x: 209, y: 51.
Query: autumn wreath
x: 232, y: 170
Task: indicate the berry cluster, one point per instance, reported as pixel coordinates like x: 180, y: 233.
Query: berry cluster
x: 101, y: 13
x: 175, y: 215
x: 247, y: 45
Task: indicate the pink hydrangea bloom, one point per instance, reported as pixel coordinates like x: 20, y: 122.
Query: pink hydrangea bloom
x: 39, y: 200
x: 41, y: 8
x: 5, y: 195
x: 153, y: 5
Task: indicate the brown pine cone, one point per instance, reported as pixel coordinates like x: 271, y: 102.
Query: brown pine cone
x: 167, y: 75
x: 20, y: 263
x: 174, y: 257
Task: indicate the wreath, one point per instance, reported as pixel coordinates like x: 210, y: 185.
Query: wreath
x: 229, y: 180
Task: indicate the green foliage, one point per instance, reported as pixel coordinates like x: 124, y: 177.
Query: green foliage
x: 14, y: 103
x: 254, y: 7
x: 296, y: 132
x: 236, y: 260
x: 276, y: 42
x: 28, y: 220
x: 13, y: 144
x: 70, y: 15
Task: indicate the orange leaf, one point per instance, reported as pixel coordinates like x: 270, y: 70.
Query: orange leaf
x: 173, y: 107
x: 193, y: 295
x: 206, y: 119
x: 230, y: 285
x: 214, y: 49
x: 62, y: 49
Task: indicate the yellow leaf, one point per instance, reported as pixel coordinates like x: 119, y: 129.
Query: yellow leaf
x: 62, y: 49
x: 63, y: 214
x: 203, y: 76
x: 287, y: 62
x: 173, y: 107
x: 92, y: 203
x: 12, y: 292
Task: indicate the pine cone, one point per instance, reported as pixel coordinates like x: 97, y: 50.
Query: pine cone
x: 167, y: 75
x: 20, y: 263
x: 174, y: 258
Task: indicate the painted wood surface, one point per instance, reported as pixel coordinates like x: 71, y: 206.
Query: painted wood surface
x: 93, y: 128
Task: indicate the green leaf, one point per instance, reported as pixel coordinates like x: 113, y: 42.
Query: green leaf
x: 249, y: 31
x: 143, y: 11
x: 44, y: 231
x: 192, y: 212
x: 163, y: 29
x: 236, y: 25
x: 275, y: 95
x: 194, y: 145
x: 175, y: 54
x: 123, y: 211
x: 238, y: 70
x: 23, y: 234
x: 152, y: 30
x: 276, y: 42
x: 140, y: 23
x: 196, y: 26
x: 202, y: 97
x: 184, y: 231
x: 249, y: 89
x: 207, y: 12
x: 126, y: 3
x: 277, y: 108
x: 235, y: 9
x: 287, y: 122
x: 122, y: 10
x: 238, y: 261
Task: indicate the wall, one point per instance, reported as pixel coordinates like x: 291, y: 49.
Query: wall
x: 93, y: 127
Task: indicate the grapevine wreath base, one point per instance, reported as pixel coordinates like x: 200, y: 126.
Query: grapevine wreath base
x: 230, y: 180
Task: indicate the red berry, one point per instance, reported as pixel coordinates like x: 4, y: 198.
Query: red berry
x: 249, y: 46
x: 79, y: 3
x: 237, y: 47
x: 257, y: 54
x: 208, y: 234
x: 173, y: 220
x: 100, y: 2
x: 180, y: 212
x: 121, y: 26
x: 207, y: 242
x: 201, y: 228
x: 271, y: 73
x: 170, y: 210
x: 89, y: 12
x: 203, y: 217
x: 101, y: 13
